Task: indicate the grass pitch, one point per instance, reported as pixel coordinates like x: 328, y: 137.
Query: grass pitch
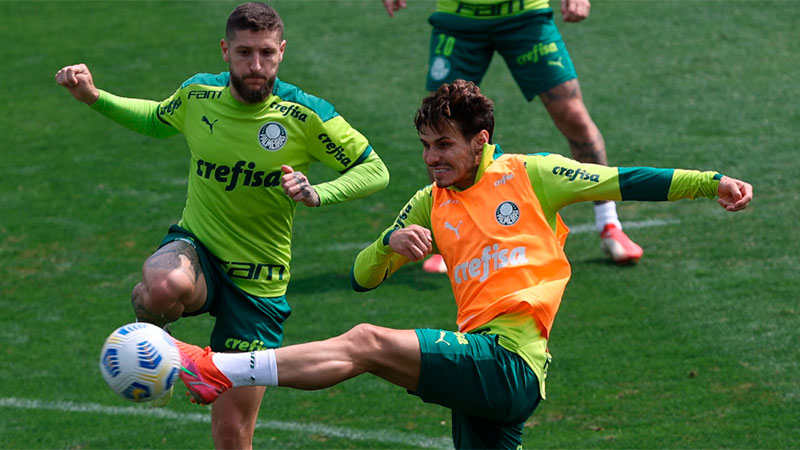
x: 695, y: 347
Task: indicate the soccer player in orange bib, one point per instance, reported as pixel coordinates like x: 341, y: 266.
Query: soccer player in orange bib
x: 495, y: 221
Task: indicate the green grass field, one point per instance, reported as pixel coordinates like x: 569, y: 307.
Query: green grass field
x: 696, y: 347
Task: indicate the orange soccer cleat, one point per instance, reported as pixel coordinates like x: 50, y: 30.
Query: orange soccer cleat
x: 619, y: 246
x: 200, y: 375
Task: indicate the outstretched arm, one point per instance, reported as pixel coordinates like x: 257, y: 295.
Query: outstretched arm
x: 559, y: 181
x: 135, y: 114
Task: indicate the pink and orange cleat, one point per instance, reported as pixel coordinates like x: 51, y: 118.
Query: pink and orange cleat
x: 200, y: 375
x: 619, y: 246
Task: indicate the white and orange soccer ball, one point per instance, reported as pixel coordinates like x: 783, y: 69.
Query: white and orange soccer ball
x: 140, y: 362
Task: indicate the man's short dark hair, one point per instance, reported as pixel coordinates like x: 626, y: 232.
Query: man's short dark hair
x: 460, y: 104
x: 253, y: 16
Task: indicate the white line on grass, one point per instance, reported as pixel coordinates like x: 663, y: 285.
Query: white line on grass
x: 162, y: 413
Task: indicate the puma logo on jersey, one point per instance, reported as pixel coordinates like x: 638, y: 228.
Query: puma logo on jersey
x: 210, y: 124
x: 454, y: 229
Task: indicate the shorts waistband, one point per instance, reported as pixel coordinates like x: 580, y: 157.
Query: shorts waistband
x: 497, y: 9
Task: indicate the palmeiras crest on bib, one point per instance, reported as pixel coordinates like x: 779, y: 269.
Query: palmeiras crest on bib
x: 272, y: 136
x: 507, y: 213
x: 440, y: 68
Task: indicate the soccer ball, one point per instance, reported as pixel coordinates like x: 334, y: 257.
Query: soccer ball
x: 140, y: 361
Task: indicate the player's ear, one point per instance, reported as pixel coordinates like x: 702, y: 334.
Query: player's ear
x: 480, y: 138
x: 281, y: 49
x: 224, y: 46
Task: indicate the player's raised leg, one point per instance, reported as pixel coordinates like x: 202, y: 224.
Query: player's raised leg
x: 172, y: 283
x: 393, y: 355
x: 565, y: 104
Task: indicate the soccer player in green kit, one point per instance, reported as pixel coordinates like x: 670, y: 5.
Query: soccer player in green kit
x: 494, y: 217
x: 464, y: 38
x: 251, y: 137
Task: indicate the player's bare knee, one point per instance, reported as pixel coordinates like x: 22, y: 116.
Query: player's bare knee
x: 161, y: 295
x: 366, y: 341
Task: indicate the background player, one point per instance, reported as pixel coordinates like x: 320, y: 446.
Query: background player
x: 251, y: 137
x: 495, y: 222
x: 464, y: 38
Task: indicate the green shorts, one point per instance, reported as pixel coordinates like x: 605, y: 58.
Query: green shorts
x: 243, y: 322
x: 490, y: 390
x: 529, y: 42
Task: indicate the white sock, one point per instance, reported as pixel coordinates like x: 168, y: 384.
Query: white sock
x: 606, y: 213
x: 248, y: 369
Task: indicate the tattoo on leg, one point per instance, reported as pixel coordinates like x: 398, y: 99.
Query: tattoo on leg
x: 589, y: 152
x: 564, y: 91
x: 169, y: 258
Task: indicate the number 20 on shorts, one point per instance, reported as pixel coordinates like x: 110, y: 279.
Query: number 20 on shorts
x: 445, y: 45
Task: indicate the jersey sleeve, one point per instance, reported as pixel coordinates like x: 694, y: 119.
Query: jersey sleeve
x: 559, y: 181
x: 334, y: 142
x: 172, y: 110
x: 139, y: 115
x: 378, y: 261
x: 362, y: 180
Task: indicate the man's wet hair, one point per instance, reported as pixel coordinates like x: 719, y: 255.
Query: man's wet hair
x: 253, y: 16
x: 459, y: 104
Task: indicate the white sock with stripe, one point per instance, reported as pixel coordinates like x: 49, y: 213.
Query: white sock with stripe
x: 249, y: 369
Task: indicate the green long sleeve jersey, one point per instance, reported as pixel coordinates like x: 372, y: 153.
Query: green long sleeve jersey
x: 557, y: 181
x: 235, y: 203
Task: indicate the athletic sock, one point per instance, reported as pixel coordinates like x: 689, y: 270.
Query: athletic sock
x: 248, y: 369
x: 604, y: 214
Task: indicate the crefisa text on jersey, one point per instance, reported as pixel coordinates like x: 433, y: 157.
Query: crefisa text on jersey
x: 230, y: 175
x: 291, y: 111
x: 334, y: 149
x: 572, y: 174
